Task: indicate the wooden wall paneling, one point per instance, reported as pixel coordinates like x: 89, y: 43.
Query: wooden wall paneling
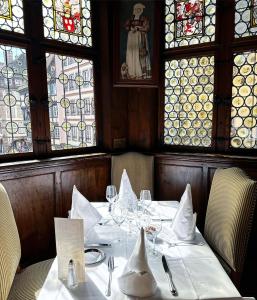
x: 173, y: 180
x: 37, y: 195
x: 119, y: 118
x: 33, y: 202
x: 90, y: 178
x: 142, y: 118
x: 171, y: 176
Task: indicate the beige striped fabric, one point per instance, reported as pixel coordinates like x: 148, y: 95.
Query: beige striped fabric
x: 27, y: 284
x: 10, y: 249
x: 229, y: 215
x: 139, y: 168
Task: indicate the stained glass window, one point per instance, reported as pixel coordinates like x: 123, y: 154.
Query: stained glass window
x: 245, y: 18
x: 11, y: 15
x: 69, y: 118
x: 189, y: 22
x: 189, y: 85
x: 244, y: 101
x: 15, y: 125
x: 68, y: 21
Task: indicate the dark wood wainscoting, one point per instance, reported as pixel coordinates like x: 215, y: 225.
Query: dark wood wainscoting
x: 39, y: 191
x: 174, y: 171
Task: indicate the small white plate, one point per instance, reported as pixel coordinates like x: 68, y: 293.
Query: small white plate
x: 93, y: 256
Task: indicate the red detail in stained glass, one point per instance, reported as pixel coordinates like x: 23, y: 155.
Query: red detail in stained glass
x: 70, y: 17
x: 68, y: 24
x: 190, y: 12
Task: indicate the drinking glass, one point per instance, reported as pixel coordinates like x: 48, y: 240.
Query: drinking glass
x: 145, y: 198
x: 118, y: 213
x: 152, y: 230
x: 131, y: 216
x: 143, y: 218
x: 111, y: 195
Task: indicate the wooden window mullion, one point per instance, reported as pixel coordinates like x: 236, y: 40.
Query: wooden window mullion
x: 223, y: 74
x: 37, y: 79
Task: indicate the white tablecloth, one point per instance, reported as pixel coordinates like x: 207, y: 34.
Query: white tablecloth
x: 196, y: 271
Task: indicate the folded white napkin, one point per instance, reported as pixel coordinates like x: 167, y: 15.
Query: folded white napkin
x: 81, y: 208
x: 126, y: 195
x: 184, y: 222
x: 137, y: 279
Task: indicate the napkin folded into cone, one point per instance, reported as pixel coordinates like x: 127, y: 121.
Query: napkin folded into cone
x: 184, y: 222
x: 137, y: 279
x: 127, y: 197
x: 81, y: 208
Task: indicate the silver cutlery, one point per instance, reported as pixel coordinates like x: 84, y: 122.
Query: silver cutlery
x: 98, y: 245
x: 169, y: 276
x: 110, y: 270
x: 163, y: 219
x: 187, y: 244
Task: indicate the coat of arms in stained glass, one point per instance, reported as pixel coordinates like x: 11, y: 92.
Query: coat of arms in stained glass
x: 5, y: 9
x: 67, y: 16
x: 189, y: 16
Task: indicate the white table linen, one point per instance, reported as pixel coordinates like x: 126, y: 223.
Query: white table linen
x: 196, y: 271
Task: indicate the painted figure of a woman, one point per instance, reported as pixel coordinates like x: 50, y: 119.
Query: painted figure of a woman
x: 137, y: 54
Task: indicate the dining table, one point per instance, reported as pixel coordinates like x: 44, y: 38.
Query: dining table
x: 196, y: 271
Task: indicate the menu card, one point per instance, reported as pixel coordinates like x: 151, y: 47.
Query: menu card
x: 69, y: 238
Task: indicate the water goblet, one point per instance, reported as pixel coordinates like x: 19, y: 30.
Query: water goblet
x: 111, y: 195
x: 145, y: 198
x: 152, y: 230
x: 118, y: 213
x: 143, y: 218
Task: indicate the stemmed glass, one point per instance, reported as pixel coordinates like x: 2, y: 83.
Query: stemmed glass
x: 118, y: 213
x: 152, y: 230
x: 143, y: 218
x: 145, y: 198
x: 111, y: 195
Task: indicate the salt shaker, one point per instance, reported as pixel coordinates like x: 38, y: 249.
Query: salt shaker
x: 72, y: 278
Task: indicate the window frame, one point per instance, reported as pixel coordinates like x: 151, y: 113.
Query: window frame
x: 223, y: 48
x: 36, y: 46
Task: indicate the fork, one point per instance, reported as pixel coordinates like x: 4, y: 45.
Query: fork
x: 110, y: 270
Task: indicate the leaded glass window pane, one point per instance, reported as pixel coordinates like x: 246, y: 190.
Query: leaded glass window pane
x: 189, y: 22
x: 189, y: 86
x: 11, y: 15
x: 68, y: 21
x: 70, y: 118
x: 15, y: 125
x: 244, y: 101
x: 245, y: 18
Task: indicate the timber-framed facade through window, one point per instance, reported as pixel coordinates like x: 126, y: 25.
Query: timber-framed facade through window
x: 46, y: 48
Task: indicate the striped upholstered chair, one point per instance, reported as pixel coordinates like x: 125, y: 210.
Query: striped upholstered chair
x: 140, y: 169
x: 229, y: 217
x: 26, y: 284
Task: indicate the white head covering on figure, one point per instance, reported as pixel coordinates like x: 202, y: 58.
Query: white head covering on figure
x: 138, y: 9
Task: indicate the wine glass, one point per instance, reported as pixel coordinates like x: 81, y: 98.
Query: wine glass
x: 145, y: 198
x: 111, y: 195
x: 152, y: 230
x: 143, y: 218
x: 118, y: 213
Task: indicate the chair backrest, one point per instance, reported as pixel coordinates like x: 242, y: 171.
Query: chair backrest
x: 140, y: 168
x: 10, y: 249
x: 229, y: 215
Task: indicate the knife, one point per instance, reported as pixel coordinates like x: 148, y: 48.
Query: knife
x: 168, y: 273
x: 162, y: 219
x: 98, y: 245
